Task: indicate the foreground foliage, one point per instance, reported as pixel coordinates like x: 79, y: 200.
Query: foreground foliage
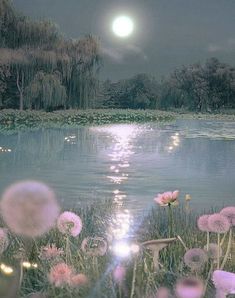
x: 62, y: 264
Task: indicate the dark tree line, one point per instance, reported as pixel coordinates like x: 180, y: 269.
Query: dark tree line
x: 196, y: 87
x: 40, y: 69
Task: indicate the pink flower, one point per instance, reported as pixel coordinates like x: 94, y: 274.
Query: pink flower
x: 50, y: 252
x: 218, y: 223
x: 189, y: 287
x: 229, y: 212
x: 29, y: 208
x: 69, y: 223
x: 79, y: 280
x: 163, y: 293
x: 202, y: 223
x: 167, y: 198
x: 224, y: 281
x: 195, y: 258
x: 119, y: 274
x: 60, y: 275
x: 4, y: 241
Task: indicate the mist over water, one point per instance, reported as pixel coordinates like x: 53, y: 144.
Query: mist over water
x: 129, y: 163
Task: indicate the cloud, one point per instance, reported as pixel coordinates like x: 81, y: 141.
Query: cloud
x: 137, y: 50
x: 227, y: 46
x: 119, y: 55
x: 112, y: 54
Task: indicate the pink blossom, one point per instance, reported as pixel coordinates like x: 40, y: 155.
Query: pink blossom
x: 229, y: 212
x: 167, y: 198
x: 202, y: 223
x: 189, y: 287
x: 119, y: 274
x: 163, y: 293
x: 29, y: 208
x: 224, y: 281
x: 4, y: 241
x: 195, y: 258
x: 60, y: 275
x: 50, y: 252
x: 79, y: 280
x: 218, y: 223
x: 69, y: 223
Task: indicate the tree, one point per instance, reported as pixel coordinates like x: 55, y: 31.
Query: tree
x: 46, y: 92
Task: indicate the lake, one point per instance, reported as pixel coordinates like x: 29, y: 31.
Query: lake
x: 129, y: 163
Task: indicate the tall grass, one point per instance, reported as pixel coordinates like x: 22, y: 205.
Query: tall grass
x: 141, y: 279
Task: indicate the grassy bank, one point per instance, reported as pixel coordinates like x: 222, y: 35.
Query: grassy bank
x: 141, y: 279
x: 14, y: 118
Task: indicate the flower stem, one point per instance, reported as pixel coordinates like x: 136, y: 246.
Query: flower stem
x: 133, y: 281
x: 170, y: 220
x: 218, y: 251
x: 228, y: 248
x: 68, y: 251
x: 207, y: 240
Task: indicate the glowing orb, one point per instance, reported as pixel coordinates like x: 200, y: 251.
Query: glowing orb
x: 123, y: 26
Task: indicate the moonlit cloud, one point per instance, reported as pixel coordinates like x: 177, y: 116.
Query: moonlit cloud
x: 227, y: 46
x: 121, y: 54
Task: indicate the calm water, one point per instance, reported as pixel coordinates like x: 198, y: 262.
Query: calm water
x: 129, y: 163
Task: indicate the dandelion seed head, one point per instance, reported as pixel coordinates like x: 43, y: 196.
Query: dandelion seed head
x: 195, y: 258
x: 218, y: 223
x: 69, y: 223
x: 29, y: 208
x: 229, y: 212
x: 202, y: 223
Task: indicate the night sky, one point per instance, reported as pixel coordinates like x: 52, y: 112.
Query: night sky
x: 168, y: 33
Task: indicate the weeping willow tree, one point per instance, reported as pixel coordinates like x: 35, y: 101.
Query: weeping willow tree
x: 79, y: 62
x: 45, y: 92
x: 29, y: 47
x: 17, y: 30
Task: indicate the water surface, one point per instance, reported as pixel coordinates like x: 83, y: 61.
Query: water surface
x: 129, y: 163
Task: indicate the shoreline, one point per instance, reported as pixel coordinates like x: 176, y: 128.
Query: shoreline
x: 15, y: 120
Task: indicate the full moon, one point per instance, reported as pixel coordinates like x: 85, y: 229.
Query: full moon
x: 123, y: 26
